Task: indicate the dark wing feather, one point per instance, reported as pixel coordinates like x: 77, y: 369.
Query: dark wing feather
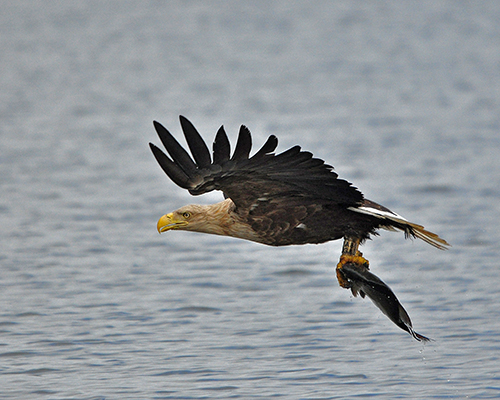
x: 293, y: 174
x: 196, y: 144
x: 180, y: 156
x: 221, y: 147
x: 243, y: 145
x: 268, y: 147
x: 173, y: 171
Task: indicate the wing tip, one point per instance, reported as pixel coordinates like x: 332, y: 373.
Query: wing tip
x: 243, y: 144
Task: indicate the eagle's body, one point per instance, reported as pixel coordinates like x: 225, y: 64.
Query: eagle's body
x: 285, y: 199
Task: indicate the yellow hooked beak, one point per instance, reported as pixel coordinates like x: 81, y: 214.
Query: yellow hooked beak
x: 168, y: 222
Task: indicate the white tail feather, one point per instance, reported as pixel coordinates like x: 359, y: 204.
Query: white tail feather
x: 409, y: 228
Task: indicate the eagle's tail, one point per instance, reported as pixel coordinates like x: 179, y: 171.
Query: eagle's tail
x: 397, y: 222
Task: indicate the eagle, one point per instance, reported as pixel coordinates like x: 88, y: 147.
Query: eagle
x: 283, y: 199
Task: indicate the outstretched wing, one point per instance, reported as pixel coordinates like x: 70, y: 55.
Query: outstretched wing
x: 292, y: 174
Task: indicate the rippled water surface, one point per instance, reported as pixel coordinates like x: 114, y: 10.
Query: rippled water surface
x: 401, y: 97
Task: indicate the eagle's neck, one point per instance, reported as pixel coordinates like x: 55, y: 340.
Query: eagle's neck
x: 222, y: 219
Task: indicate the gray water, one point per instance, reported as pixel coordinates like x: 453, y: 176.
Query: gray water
x: 401, y: 97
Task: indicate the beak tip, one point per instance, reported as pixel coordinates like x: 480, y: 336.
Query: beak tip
x: 165, y: 223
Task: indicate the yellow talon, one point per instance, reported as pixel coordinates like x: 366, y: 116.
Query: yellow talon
x: 357, y: 259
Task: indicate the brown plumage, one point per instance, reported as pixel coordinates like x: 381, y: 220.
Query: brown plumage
x: 284, y: 199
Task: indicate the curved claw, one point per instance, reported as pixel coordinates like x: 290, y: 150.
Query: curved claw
x: 357, y: 259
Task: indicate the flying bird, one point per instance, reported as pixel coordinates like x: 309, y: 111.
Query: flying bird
x: 282, y: 199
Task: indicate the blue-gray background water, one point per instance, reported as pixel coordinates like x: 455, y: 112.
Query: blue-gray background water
x: 403, y: 98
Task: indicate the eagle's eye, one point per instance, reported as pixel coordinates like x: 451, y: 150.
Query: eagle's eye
x: 186, y: 214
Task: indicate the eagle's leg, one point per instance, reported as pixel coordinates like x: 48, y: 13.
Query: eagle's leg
x: 350, y: 255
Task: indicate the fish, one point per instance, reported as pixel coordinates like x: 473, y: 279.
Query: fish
x: 364, y: 283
